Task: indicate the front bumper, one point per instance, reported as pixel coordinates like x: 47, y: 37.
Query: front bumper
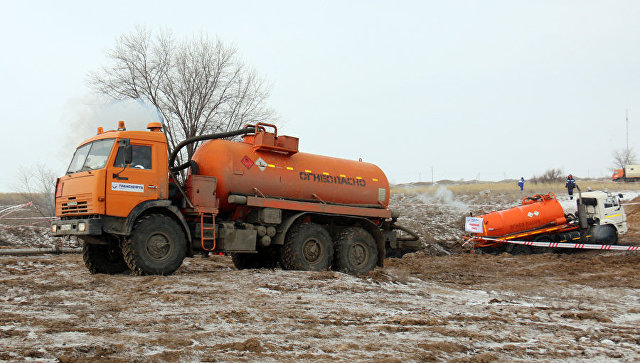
x: 77, y: 227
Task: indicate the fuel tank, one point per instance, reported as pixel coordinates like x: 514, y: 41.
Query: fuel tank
x: 267, y: 165
x: 535, y: 212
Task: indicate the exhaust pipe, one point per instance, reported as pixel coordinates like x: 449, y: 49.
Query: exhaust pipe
x: 582, y: 211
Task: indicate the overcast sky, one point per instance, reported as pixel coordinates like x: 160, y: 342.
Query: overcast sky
x: 470, y: 89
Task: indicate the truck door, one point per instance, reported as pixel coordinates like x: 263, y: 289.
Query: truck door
x: 129, y: 185
x: 614, y: 213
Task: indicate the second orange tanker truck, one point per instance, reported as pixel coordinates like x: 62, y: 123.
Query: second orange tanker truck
x: 259, y: 200
x: 600, y: 219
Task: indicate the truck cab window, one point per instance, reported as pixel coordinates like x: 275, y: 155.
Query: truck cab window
x: 91, y: 156
x: 141, y: 157
x: 610, y: 203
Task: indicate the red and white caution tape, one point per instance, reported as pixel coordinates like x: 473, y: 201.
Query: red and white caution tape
x: 585, y: 246
x: 5, y: 212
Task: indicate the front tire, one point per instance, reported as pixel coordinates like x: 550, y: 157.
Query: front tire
x: 356, y: 252
x: 156, y: 246
x: 103, y: 259
x: 605, y: 235
x: 307, y: 247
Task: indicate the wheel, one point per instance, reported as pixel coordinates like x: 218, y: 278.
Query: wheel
x: 156, y: 246
x: 307, y: 247
x: 103, y: 259
x: 266, y: 258
x: 356, y: 251
x: 539, y: 250
x: 604, y: 234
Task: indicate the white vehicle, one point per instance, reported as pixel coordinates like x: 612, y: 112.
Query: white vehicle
x: 603, y: 213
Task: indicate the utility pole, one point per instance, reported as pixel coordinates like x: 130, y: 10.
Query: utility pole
x: 432, y: 175
x: 627, y: 130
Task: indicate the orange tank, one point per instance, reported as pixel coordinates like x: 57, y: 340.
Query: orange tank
x: 535, y: 212
x: 268, y: 165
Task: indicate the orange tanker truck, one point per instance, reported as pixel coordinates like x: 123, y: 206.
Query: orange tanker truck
x: 259, y: 200
x: 599, y: 219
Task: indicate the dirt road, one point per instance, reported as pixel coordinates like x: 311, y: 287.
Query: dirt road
x: 442, y: 304
x: 466, y: 308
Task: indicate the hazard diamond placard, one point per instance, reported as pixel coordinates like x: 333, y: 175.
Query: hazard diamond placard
x: 261, y: 164
x: 247, y: 162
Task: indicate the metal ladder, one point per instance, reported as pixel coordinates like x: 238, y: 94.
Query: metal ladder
x: 203, y: 238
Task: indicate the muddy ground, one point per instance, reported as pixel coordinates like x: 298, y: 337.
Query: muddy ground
x: 441, y: 304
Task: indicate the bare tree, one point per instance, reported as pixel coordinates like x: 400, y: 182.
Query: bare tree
x: 198, y: 85
x: 550, y: 176
x: 38, y: 184
x: 624, y: 157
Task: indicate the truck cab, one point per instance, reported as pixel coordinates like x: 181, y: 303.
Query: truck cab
x: 629, y: 173
x: 604, y: 213
x: 110, y: 174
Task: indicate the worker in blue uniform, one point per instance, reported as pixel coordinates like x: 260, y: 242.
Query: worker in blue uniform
x: 570, y: 184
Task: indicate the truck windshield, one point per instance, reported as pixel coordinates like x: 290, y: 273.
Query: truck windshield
x: 91, y: 156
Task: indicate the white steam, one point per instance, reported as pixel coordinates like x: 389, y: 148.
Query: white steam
x: 84, y: 115
x: 444, y: 196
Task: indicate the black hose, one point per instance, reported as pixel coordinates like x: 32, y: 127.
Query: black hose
x: 174, y: 153
x: 414, y: 235
x: 190, y: 163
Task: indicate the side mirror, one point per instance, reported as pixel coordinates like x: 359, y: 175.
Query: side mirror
x: 620, y: 195
x: 125, y: 144
x: 128, y: 154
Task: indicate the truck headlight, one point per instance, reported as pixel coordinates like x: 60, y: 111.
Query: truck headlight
x: 54, y: 228
x: 82, y: 227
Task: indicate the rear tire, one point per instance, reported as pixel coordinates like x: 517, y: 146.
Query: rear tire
x: 156, y: 246
x: 356, y: 252
x: 103, y: 259
x: 307, y: 247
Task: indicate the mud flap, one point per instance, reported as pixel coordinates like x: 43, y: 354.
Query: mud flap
x: 381, y: 251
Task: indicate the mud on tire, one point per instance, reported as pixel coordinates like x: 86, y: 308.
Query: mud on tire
x: 355, y: 251
x: 605, y: 234
x: 156, y: 246
x: 103, y: 259
x: 307, y: 247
